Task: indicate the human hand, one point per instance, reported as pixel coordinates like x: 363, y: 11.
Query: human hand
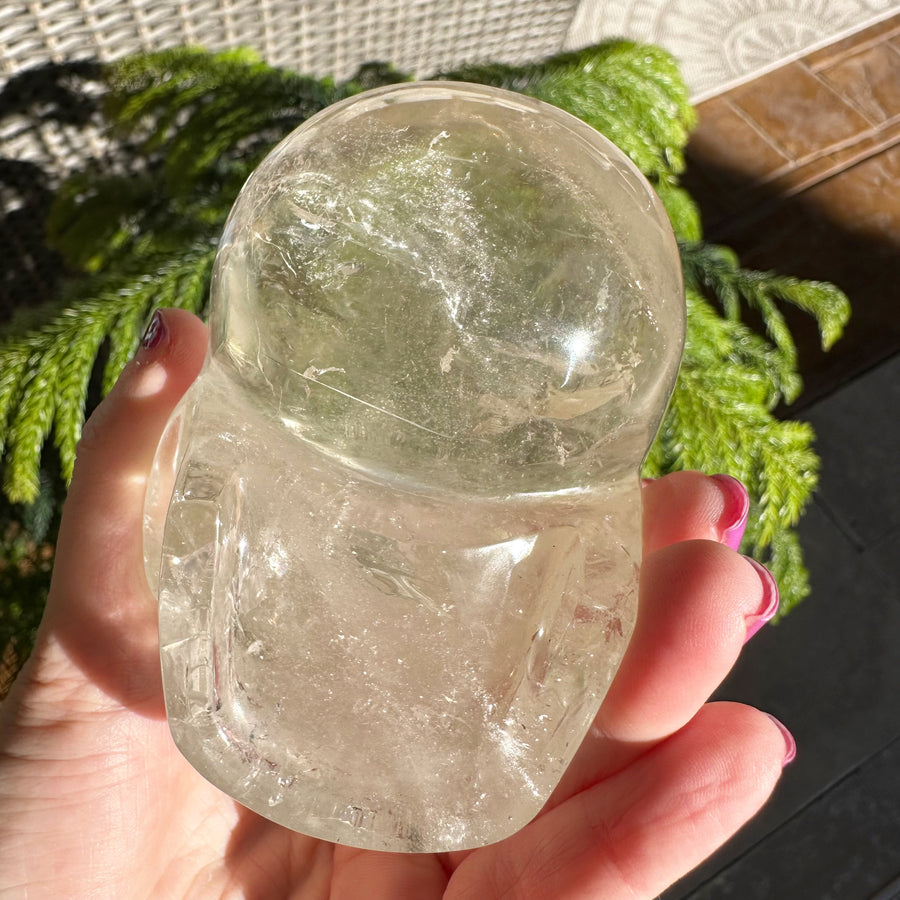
x: 96, y: 802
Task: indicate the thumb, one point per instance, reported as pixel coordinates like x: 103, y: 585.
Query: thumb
x: 100, y: 610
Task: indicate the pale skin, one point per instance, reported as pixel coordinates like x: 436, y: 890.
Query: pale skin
x: 96, y: 802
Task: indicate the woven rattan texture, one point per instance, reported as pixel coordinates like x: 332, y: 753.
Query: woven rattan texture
x: 320, y: 37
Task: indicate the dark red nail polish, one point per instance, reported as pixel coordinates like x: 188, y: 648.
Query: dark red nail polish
x: 770, y: 601
x: 737, y: 508
x: 155, y: 333
x: 790, y: 745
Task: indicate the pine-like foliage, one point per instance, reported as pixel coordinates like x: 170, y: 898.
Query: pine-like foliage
x: 139, y: 230
x: 47, y: 370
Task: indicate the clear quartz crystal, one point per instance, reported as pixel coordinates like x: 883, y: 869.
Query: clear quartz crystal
x: 394, y: 525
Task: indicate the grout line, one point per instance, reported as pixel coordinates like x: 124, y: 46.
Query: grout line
x: 883, y: 38
x: 798, y: 55
x: 848, y: 101
x: 824, y: 507
x: 878, y: 146
x: 721, y: 231
x: 749, y: 120
x: 812, y: 801
x: 848, y: 141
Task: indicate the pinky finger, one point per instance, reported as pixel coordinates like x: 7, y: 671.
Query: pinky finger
x: 639, y: 831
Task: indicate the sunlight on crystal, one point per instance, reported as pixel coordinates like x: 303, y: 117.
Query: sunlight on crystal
x: 445, y: 321
x: 580, y: 345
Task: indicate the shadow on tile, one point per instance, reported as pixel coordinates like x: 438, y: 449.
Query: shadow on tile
x: 830, y: 671
x: 845, y: 230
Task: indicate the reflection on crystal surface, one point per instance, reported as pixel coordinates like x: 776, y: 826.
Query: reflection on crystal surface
x: 395, y: 523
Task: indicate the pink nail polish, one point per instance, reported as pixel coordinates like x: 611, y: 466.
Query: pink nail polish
x: 155, y: 334
x: 737, y: 508
x: 769, y: 605
x: 790, y: 745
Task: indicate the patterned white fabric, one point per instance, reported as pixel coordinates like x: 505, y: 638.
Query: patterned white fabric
x: 723, y: 42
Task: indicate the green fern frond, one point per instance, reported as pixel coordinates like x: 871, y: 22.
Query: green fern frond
x: 713, y: 341
x: 183, y: 286
x: 709, y: 267
x: 208, y: 111
x: 86, y: 326
x: 719, y: 420
x: 15, y: 357
x: 788, y: 474
x: 715, y: 271
x: 167, y: 81
x: 632, y: 93
x: 826, y: 303
x: 47, y: 370
x: 30, y: 424
x: 123, y: 341
x: 784, y: 558
x: 94, y: 213
x: 683, y: 212
x: 111, y: 222
x: 710, y: 425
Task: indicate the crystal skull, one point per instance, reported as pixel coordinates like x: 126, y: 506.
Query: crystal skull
x: 394, y: 526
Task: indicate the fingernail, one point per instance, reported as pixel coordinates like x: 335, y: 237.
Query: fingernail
x: 646, y: 481
x: 155, y: 334
x: 733, y: 520
x: 790, y: 745
x: 769, y: 605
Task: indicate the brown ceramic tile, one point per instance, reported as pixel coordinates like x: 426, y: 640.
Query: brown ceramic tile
x: 717, y: 205
x: 878, y: 33
x: 870, y: 81
x: 866, y: 198
x: 728, y: 141
x: 845, y: 230
x: 728, y: 160
x: 798, y: 112
x: 801, y: 169
x: 828, y: 165
x: 859, y: 205
x: 728, y: 200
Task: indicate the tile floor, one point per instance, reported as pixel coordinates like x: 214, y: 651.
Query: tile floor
x: 801, y: 173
